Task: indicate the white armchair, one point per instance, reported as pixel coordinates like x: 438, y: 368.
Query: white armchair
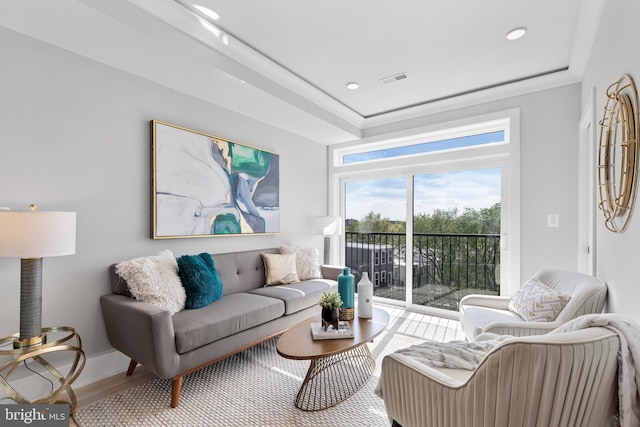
x: 564, y: 379
x: 486, y: 313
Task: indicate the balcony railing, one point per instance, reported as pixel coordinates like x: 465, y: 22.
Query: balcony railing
x: 445, y: 267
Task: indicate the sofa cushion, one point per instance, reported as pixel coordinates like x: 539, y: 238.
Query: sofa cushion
x: 241, y: 271
x: 297, y: 296
x: 280, y: 268
x: 475, y: 319
x: 536, y: 302
x: 229, y: 315
x: 200, y: 279
x: 154, y: 280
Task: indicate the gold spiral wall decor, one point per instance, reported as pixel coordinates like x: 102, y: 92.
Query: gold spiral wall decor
x: 618, y: 154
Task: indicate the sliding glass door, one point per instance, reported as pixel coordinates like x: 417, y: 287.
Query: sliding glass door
x: 375, y: 233
x: 455, y: 236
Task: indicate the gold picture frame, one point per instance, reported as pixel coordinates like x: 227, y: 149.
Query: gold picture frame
x: 205, y: 186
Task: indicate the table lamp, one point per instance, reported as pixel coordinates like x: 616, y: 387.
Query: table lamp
x: 328, y: 226
x: 31, y: 236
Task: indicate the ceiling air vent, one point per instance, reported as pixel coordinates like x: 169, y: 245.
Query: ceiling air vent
x: 394, y: 78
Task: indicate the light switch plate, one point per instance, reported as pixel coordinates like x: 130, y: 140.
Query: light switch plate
x: 553, y: 220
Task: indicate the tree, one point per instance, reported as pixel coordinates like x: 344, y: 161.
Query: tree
x: 451, y: 248
x: 373, y: 223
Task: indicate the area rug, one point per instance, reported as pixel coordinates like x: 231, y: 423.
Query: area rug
x: 254, y: 388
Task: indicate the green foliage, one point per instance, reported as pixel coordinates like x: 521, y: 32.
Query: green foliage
x: 330, y: 300
x: 459, y: 261
x: 471, y: 221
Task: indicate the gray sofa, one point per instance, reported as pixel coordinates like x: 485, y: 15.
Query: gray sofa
x: 247, y: 314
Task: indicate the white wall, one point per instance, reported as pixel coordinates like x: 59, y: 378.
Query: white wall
x: 548, y: 151
x: 75, y: 135
x: 615, y: 52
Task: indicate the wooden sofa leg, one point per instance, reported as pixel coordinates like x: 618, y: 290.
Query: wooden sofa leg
x: 176, y: 387
x: 132, y: 367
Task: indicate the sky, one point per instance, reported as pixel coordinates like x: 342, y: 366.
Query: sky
x: 474, y: 189
x: 426, y: 147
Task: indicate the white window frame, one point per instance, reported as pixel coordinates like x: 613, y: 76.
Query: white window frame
x: 504, y: 155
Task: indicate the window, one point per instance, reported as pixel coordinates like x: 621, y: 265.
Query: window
x: 442, y: 221
x: 426, y: 147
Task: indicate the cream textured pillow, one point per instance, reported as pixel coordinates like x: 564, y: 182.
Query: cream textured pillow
x: 280, y: 268
x: 155, y: 280
x: 536, y: 302
x: 307, y: 264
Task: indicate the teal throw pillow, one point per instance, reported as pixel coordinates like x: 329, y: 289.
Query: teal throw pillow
x: 200, y: 279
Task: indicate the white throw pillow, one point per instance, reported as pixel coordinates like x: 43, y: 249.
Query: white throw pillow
x: 155, y: 280
x: 307, y: 264
x: 536, y: 302
x: 280, y: 268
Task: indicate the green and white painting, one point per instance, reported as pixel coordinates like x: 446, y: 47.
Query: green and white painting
x: 207, y: 186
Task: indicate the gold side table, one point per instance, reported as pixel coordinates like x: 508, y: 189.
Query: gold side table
x: 67, y: 340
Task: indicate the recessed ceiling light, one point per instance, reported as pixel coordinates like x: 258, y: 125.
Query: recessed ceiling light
x: 516, y: 33
x: 210, y: 27
x: 208, y: 12
x: 352, y: 85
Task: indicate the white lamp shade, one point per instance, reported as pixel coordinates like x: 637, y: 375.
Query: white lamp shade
x: 328, y: 226
x: 35, y: 234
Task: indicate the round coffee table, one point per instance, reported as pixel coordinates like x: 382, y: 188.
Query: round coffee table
x: 338, y: 367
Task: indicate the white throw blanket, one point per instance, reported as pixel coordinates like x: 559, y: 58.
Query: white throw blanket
x: 468, y: 355
x: 453, y: 354
x: 628, y: 359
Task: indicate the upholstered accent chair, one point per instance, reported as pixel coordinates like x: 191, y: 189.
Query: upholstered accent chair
x: 487, y: 313
x: 564, y: 379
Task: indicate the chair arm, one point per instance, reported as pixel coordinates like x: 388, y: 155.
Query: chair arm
x: 518, y: 329
x: 426, y: 371
x: 491, y: 301
x: 331, y: 271
x: 407, y: 387
x: 141, y: 331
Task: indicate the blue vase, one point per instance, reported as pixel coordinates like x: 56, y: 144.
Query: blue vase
x: 346, y: 288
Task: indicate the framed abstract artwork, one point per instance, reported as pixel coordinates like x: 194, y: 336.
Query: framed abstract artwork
x: 207, y: 186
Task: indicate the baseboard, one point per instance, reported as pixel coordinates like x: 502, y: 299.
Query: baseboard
x: 99, y: 367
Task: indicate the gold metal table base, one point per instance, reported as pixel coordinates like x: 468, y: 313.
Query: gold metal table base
x: 332, y: 379
x: 68, y: 343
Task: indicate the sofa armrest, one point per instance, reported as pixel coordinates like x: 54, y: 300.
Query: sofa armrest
x: 519, y: 329
x: 141, y: 331
x: 431, y: 373
x: 331, y: 271
x: 489, y: 301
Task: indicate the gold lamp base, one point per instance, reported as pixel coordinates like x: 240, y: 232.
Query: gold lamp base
x: 30, y: 342
x: 29, y: 349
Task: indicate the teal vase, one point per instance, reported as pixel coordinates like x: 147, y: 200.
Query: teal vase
x: 346, y: 289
